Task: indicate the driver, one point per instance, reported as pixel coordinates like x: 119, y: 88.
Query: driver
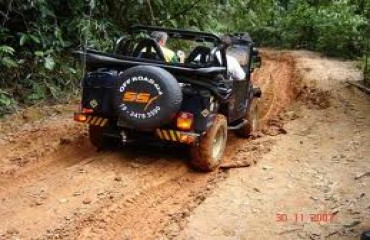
x: 233, y: 66
x: 161, y: 38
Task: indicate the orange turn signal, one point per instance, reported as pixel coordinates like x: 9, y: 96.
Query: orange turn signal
x: 184, y: 138
x: 187, y: 139
x: 80, y: 117
x: 184, y: 121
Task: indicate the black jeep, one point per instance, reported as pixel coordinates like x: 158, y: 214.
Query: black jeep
x: 133, y: 94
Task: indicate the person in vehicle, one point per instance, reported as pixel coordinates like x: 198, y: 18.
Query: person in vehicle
x: 161, y: 38
x: 233, y: 66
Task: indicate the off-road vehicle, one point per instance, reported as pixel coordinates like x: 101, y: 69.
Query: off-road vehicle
x: 133, y: 94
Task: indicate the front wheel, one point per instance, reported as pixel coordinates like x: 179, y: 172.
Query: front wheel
x: 207, y: 154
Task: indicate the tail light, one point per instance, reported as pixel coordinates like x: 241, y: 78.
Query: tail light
x: 184, y: 121
x: 87, y: 110
x: 79, y: 117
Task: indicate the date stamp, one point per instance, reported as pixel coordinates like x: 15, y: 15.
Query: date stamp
x: 301, y: 217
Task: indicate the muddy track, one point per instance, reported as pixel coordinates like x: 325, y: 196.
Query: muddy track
x: 55, y: 185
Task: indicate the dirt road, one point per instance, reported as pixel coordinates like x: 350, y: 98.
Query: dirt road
x: 53, y: 184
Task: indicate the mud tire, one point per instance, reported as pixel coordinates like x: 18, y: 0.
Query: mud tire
x: 203, y: 155
x: 251, y: 127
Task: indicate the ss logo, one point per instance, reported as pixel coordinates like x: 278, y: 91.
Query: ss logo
x: 143, y: 98
x: 136, y: 97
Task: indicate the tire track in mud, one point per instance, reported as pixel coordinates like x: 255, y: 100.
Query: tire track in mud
x: 62, y: 158
x: 68, y: 190
x: 92, y: 179
x: 43, y: 141
x: 147, y: 213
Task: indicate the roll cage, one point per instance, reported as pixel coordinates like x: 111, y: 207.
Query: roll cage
x: 128, y: 45
x: 122, y: 56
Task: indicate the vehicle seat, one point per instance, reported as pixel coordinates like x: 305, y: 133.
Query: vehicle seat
x: 150, y: 49
x: 200, y: 51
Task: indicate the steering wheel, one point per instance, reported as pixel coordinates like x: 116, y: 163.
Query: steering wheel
x: 145, y: 47
x: 199, y: 50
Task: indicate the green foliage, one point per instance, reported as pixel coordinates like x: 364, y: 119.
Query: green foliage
x: 7, y: 103
x: 6, y: 55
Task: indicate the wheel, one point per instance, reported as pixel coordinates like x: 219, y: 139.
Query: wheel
x: 96, y: 136
x: 207, y: 154
x: 252, y: 125
x: 98, y: 139
x: 365, y: 235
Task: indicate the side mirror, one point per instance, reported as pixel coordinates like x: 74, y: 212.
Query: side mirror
x: 256, y: 62
x: 256, y: 59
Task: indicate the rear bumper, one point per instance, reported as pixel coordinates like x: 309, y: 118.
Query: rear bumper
x: 91, y: 120
x: 177, y: 136
x: 168, y: 135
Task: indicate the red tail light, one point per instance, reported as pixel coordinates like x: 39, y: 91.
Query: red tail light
x: 184, y: 121
x: 87, y: 110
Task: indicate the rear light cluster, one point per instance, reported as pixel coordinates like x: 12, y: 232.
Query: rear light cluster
x: 187, y: 139
x: 184, y: 121
x: 87, y: 110
x: 80, y: 117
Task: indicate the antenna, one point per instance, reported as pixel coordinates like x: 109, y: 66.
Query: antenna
x: 91, y: 5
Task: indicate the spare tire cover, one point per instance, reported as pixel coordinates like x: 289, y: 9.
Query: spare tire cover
x: 147, y: 97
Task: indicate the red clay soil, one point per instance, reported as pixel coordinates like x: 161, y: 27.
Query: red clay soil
x: 53, y: 184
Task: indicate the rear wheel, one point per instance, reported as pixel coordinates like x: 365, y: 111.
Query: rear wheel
x: 96, y: 136
x: 251, y: 127
x: 207, y: 154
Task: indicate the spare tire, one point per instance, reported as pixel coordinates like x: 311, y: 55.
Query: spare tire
x: 147, y: 97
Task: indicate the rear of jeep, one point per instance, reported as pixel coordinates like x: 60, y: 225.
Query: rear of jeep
x: 127, y: 99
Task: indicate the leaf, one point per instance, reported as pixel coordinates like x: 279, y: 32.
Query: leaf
x: 67, y: 43
x: 34, y: 96
x: 7, y: 49
x: 35, y: 39
x: 39, y: 53
x: 8, y: 62
x: 72, y: 70
x: 173, y: 23
x: 49, y: 63
x: 92, y: 4
x: 4, y: 101
x: 23, y: 39
x: 38, y: 93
